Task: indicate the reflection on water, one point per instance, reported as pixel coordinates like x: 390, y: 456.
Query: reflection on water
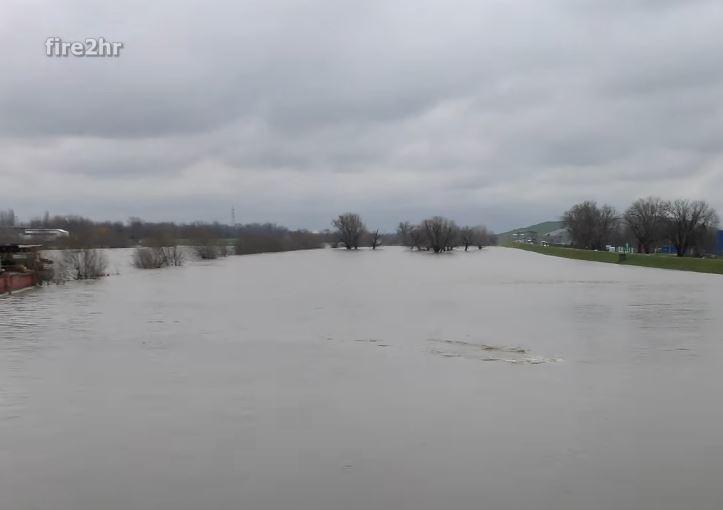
x: 326, y: 380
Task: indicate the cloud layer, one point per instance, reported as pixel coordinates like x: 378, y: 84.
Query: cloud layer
x: 492, y: 112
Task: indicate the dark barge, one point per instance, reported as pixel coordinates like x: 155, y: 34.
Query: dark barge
x: 21, y: 267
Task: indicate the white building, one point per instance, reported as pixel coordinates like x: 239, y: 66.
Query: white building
x: 43, y: 234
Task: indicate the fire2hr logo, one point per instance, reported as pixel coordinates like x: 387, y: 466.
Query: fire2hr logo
x: 88, y: 47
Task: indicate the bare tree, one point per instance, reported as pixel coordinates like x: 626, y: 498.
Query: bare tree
x: 206, y: 245
x: 404, y: 231
x: 591, y: 227
x: 84, y: 264
x: 467, y: 236
x: 439, y: 233
x: 416, y: 238
x: 375, y: 239
x: 209, y: 251
x: 580, y: 223
x: 483, y: 237
x: 350, y: 229
x: 646, y: 219
x: 174, y: 255
x: 156, y: 257
x: 145, y: 257
x: 160, y: 250
x: 453, y: 237
x: 606, y: 230
x: 689, y: 223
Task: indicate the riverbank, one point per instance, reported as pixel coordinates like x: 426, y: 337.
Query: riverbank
x: 714, y: 266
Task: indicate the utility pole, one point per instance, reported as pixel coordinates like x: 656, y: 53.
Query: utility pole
x: 233, y: 216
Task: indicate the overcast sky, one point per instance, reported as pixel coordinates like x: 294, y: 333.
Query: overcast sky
x: 496, y: 112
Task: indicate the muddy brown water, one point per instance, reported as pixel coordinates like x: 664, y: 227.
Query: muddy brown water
x: 384, y: 380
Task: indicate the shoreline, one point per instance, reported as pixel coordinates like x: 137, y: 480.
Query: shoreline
x: 709, y: 266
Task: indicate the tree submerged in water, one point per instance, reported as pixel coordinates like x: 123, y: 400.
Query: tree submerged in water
x: 83, y: 264
x: 156, y: 257
x: 440, y: 233
x: 350, y: 230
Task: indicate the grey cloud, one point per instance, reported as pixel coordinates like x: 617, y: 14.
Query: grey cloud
x: 289, y: 111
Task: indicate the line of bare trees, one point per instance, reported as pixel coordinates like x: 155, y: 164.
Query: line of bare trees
x: 435, y: 234
x: 269, y: 238
x: 689, y: 226
x: 163, y: 244
x: 208, y: 240
x: 7, y: 218
x: 164, y: 251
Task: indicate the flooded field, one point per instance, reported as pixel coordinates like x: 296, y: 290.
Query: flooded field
x: 384, y: 380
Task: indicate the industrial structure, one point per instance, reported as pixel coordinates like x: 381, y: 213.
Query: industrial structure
x: 21, y: 267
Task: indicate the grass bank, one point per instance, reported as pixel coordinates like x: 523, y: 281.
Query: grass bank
x: 714, y: 266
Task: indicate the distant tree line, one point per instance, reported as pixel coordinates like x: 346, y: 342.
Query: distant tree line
x: 157, y: 244
x: 7, y: 218
x: 250, y: 238
x: 689, y: 226
x: 7, y: 222
x: 269, y: 237
x: 436, y: 234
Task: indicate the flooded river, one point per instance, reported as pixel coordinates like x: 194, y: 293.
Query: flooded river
x: 385, y: 380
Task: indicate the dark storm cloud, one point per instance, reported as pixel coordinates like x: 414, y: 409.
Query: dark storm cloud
x: 504, y: 112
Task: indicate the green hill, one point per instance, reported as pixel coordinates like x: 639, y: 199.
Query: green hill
x: 541, y: 229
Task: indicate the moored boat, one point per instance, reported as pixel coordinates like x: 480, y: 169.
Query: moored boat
x: 21, y: 267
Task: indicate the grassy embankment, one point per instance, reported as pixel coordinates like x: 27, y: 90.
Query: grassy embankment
x: 660, y: 261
